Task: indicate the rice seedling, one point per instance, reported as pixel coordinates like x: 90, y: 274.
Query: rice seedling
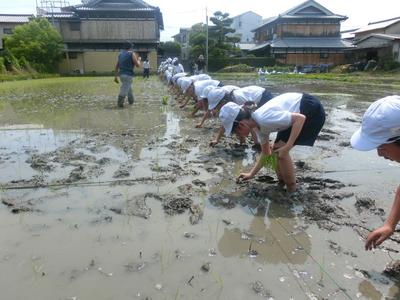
x: 165, y: 100
x: 270, y: 161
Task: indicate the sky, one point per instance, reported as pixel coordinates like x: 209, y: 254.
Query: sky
x: 184, y: 13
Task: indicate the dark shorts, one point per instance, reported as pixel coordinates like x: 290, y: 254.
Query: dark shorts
x: 265, y: 97
x: 315, y: 119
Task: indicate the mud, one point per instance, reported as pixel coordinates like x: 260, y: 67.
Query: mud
x: 141, y: 198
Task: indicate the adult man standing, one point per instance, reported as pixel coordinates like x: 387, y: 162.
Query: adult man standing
x: 127, y: 60
x: 380, y: 130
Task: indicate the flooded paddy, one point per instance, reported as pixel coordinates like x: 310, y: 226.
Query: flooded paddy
x: 103, y: 203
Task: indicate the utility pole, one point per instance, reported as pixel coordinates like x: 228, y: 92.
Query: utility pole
x: 206, y: 40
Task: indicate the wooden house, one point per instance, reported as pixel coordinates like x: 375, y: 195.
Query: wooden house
x: 95, y: 31
x: 377, y: 40
x: 306, y: 34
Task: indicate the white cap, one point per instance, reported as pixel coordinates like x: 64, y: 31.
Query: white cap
x: 227, y: 115
x: 185, y: 84
x: 214, y: 97
x: 380, y: 123
x: 207, y: 91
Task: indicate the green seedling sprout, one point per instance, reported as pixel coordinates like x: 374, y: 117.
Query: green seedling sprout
x: 165, y: 100
x: 270, y: 161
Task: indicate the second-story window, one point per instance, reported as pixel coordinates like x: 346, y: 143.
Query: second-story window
x: 75, y: 26
x: 240, y: 24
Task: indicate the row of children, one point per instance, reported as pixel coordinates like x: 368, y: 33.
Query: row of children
x: 296, y: 117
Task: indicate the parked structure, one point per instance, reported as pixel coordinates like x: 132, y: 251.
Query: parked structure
x: 244, y: 24
x: 8, y: 22
x: 306, y: 34
x: 182, y: 38
x: 95, y: 31
x: 377, y: 40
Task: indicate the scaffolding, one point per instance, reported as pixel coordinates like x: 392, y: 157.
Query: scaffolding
x: 50, y: 6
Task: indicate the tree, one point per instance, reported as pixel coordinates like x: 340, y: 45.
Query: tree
x: 222, y: 26
x: 197, y: 40
x: 170, y: 49
x: 38, y: 43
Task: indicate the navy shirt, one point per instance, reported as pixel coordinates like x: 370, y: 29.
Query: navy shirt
x: 125, y: 63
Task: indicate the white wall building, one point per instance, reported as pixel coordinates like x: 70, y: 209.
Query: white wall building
x: 244, y: 24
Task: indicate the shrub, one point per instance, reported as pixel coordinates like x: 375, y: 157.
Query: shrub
x: 215, y: 64
x: 242, y: 68
x: 387, y: 63
x: 2, y: 66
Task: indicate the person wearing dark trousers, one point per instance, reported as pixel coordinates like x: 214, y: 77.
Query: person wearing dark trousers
x: 127, y: 60
x: 146, y: 68
x: 297, y: 117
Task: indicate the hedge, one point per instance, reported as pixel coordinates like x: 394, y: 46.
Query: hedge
x: 215, y: 64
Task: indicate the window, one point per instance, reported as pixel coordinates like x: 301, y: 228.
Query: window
x: 7, y: 30
x: 280, y: 55
x: 75, y: 26
x: 240, y: 24
x: 73, y: 55
x: 323, y: 55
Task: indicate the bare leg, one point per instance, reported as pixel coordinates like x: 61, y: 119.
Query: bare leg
x: 285, y: 171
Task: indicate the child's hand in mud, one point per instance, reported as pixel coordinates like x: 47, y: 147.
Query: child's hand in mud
x: 378, y: 236
x: 244, y: 177
x: 199, y: 126
x: 213, y: 143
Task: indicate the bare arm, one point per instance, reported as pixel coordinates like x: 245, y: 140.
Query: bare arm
x: 116, y: 72
x: 219, y: 135
x: 205, y: 116
x: 136, y: 60
x: 378, y: 236
x: 297, y: 125
x: 265, y: 150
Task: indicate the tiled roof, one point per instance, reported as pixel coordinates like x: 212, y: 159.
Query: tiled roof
x: 296, y: 13
x: 7, y: 18
x: 305, y: 43
x: 390, y: 37
x: 378, y: 25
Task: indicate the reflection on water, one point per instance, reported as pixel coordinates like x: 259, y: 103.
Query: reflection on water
x: 268, y: 235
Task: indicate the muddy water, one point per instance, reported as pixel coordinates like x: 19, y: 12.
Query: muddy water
x: 101, y: 203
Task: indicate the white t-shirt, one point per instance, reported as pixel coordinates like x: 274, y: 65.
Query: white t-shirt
x: 249, y: 93
x: 178, y: 69
x: 146, y: 65
x: 200, y: 85
x: 276, y: 114
x: 177, y: 76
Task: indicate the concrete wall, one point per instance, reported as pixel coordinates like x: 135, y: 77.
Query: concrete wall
x: 101, y: 62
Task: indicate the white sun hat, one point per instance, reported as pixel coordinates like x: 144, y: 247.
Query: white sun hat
x: 185, y: 83
x: 380, y: 123
x: 227, y: 115
x: 207, y: 91
x: 214, y: 97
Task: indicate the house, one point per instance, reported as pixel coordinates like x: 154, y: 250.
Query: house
x: 390, y: 26
x: 8, y: 22
x: 377, y: 40
x: 182, y: 38
x: 244, y: 24
x: 306, y: 34
x: 95, y: 31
